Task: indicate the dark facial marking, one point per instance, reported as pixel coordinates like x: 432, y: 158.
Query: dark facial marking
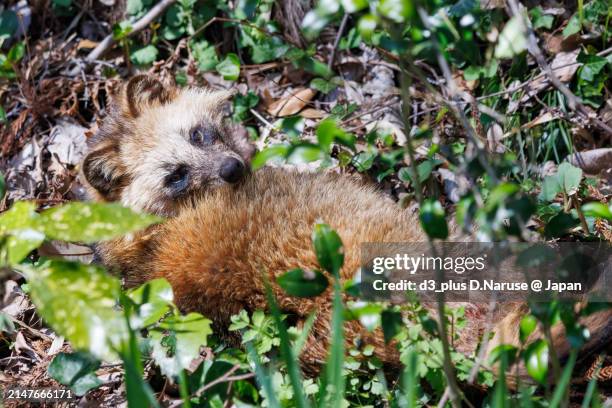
x: 178, y: 180
x: 202, y: 136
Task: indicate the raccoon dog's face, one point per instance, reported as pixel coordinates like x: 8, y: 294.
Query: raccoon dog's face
x: 161, y: 146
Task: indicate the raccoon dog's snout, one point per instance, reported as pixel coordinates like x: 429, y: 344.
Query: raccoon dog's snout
x: 231, y: 170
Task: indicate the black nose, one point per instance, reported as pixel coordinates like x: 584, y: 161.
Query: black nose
x: 231, y: 170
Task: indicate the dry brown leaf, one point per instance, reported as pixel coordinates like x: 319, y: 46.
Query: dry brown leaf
x: 543, y: 118
x: 87, y: 44
x: 564, y: 67
x: 311, y: 113
x: 293, y: 103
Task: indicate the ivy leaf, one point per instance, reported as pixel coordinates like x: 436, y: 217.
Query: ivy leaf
x: 91, y: 222
x: 177, y: 341
x: 536, y: 360
x: 539, y: 19
x: 242, y: 104
x: 592, y: 65
x: 301, y: 283
x: 205, y: 55
x: 569, y: 177
x: 512, y: 39
x: 573, y: 26
x: 433, y: 219
x: 322, y: 85
x: 145, y: 55
x: 229, y: 68
x: 79, y: 301
x: 76, y: 370
x: 328, y: 248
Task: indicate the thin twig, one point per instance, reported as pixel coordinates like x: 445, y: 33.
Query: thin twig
x: 332, y: 56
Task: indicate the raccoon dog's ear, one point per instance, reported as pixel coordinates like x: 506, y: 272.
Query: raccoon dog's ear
x: 142, y: 92
x: 103, y: 172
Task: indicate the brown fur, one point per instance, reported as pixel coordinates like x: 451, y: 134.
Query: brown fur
x: 221, y: 240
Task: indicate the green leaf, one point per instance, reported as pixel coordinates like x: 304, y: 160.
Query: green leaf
x: 8, y: 24
x: 278, y: 151
x: 433, y: 219
x: 79, y: 301
x: 527, y: 326
x: 573, y: 26
x: 569, y: 177
x: 564, y: 381
x: 205, y: 55
x: 365, y: 160
x: 351, y: 6
x: 300, y: 283
x: 16, y: 52
x: 245, y: 9
x: 333, y: 385
x: 550, y: 188
x: 176, y: 350
x: 366, y: 26
x: 91, y: 222
x: 597, y: 210
x: 539, y: 19
x: 229, y: 68
x: 424, y: 170
x: 22, y: 226
x: 592, y: 66
x: 2, y: 115
x: 154, y: 300
x: 315, y: 67
x: 558, y: 225
x: 396, y: 10
x: 242, y: 105
x: 512, y: 39
x: 305, y: 153
x: 121, y: 30
x: 536, y: 360
x: 286, y: 350
x: 134, y: 7
x: 76, y: 370
x: 328, y: 248
x: 391, y: 321
x: 292, y: 126
x: 328, y: 132
x: 322, y: 85
x: 145, y: 55
x: 62, y: 3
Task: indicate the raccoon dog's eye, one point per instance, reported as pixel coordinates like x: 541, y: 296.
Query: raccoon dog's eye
x: 202, y: 136
x: 178, y: 179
